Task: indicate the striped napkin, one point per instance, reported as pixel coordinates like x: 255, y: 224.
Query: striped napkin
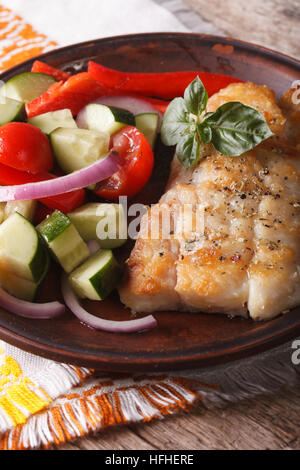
x: 43, y: 402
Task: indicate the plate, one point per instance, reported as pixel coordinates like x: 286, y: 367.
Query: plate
x: 181, y: 340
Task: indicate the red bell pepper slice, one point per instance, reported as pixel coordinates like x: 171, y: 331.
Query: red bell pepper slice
x: 165, y: 85
x: 42, y: 67
x: 73, y: 94
x: 63, y: 202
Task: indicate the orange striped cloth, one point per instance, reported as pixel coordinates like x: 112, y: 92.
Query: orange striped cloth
x: 43, y: 402
x: 19, y: 41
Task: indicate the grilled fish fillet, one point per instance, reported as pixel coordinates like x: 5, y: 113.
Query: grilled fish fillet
x: 235, y: 248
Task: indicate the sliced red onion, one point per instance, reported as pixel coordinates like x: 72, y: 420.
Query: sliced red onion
x: 30, y: 309
x: 87, y: 176
x: 98, y: 323
x: 93, y: 246
x: 131, y: 103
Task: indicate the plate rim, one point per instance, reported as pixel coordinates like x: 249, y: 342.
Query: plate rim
x: 214, y: 356
x: 250, y: 45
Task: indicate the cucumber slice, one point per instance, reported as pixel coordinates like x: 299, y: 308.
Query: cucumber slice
x: 76, y: 148
x: 105, y: 223
x: 25, y: 208
x: 97, y: 277
x: 22, y: 251
x: 48, y: 122
x: 103, y: 118
x: 147, y: 123
x: 64, y: 241
x: 11, y: 110
x: 18, y: 286
x: 27, y: 86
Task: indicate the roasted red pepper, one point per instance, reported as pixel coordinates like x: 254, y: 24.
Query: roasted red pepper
x: 165, y: 85
x: 41, y: 67
x: 73, y: 94
x: 63, y: 202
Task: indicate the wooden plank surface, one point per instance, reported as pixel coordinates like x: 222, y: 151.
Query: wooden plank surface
x: 264, y: 422
x: 271, y: 23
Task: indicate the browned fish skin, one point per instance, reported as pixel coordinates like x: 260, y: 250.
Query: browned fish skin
x: 151, y: 269
x: 246, y: 258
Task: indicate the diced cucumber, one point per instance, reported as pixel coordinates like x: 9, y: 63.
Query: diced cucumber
x: 76, y: 148
x: 25, y: 208
x: 11, y: 110
x: 64, y: 241
x: 48, y: 122
x: 103, y: 118
x: 22, y: 251
x: 105, y: 223
x: 26, y: 86
x: 97, y: 277
x: 147, y: 123
x: 18, y: 286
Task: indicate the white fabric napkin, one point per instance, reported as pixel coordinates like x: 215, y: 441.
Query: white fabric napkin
x: 71, y: 21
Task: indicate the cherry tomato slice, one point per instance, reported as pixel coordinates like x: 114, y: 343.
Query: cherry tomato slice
x: 25, y: 147
x: 135, y: 149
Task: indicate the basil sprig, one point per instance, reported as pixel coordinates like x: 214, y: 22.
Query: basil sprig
x: 233, y: 128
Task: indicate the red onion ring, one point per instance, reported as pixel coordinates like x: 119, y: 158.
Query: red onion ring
x: 87, y: 176
x: 98, y: 323
x: 30, y: 309
x: 93, y: 246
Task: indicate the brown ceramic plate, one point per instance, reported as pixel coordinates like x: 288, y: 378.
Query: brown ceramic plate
x: 181, y: 340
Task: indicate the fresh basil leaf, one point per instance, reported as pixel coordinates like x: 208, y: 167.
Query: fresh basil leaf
x: 205, y: 133
x: 195, y: 97
x: 235, y: 128
x: 175, y: 122
x: 206, y: 116
x: 188, y: 149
